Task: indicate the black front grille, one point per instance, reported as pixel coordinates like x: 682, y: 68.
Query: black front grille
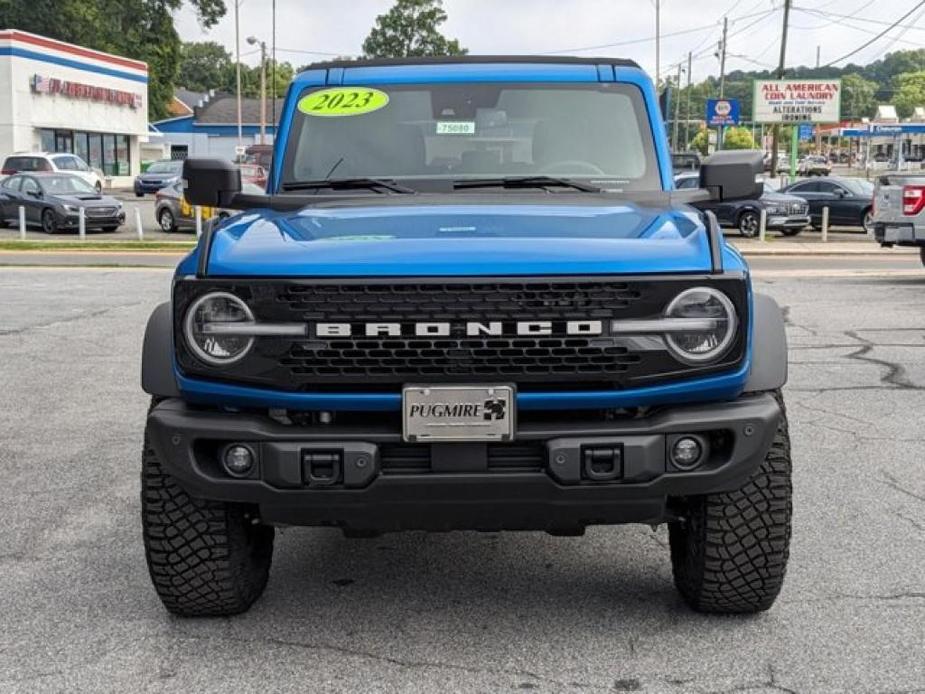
x: 100, y: 211
x: 501, y: 457
x: 387, y: 362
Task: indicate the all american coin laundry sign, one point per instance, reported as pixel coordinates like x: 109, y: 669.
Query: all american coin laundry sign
x: 797, y: 101
x: 78, y: 90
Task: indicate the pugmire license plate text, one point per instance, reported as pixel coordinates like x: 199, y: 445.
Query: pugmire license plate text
x: 458, y: 413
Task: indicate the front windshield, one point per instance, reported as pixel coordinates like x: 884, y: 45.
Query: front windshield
x: 66, y: 185
x: 160, y: 167
x: 597, y: 132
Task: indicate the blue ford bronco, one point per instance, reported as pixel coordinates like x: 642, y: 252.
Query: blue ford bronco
x: 469, y: 299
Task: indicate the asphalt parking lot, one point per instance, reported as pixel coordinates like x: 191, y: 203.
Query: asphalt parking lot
x: 462, y: 611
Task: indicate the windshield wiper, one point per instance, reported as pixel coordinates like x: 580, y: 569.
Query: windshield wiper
x: 526, y: 182
x: 347, y: 183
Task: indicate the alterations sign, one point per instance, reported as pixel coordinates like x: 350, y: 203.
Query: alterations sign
x: 797, y: 101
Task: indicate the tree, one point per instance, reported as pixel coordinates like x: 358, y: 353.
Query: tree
x: 908, y: 92
x: 140, y: 29
x: 858, y: 98
x: 410, y: 28
x: 701, y: 142
x: 204, y: 65
x: 738, y: 138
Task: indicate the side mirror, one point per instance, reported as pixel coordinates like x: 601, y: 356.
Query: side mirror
x: 839, y: 193
x: 35, y: 194
x: 210, y: 182
x: 733, y: 175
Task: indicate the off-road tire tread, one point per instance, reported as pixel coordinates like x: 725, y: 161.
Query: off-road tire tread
x: 205, y: 558
x: 730, y: 553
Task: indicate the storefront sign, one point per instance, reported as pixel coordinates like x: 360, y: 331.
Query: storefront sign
x: 77, y: 90
x: 722, y: 112
x: 797, y: 101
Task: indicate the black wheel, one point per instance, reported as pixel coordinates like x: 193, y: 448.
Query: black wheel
x: 205, y: 558
x: 166, y: 221
x: 748, y: 224
x: 922, y: 255
x: 110, y: 228
x: 867, y: 221
x: 49, y: 221
x: 729, y: 553
x: 139, y: 195
x: 791, y: 231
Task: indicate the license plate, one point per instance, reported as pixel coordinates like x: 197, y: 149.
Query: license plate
x: 458, y: 413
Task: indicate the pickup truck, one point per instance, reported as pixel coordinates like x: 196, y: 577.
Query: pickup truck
x: 470, y: 298
x: 899, y: 211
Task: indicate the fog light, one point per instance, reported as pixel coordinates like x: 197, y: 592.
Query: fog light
x: 686, y: 452
x: 238, y: 460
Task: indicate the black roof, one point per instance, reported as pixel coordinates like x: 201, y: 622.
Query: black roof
x: 469, y: 59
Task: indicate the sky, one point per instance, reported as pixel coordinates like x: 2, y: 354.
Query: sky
x: 310, y: 30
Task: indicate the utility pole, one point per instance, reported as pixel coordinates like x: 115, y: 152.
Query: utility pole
x: 677, y: 109
x: 775, y: 133
x: 263, y: 85
x: 237, y: 65
x: 722, y: 78
x: 658, y: 41
x: 687, y: 117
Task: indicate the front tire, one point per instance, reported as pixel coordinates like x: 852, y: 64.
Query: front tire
x: 748, y: 224
x: 729, y: 553
x: 205, y: 558
x: 49, y: 221
x: 922, y: 254
x: 166, y: 221
x: 790, y: 232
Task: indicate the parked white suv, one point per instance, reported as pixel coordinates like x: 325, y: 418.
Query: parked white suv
x: 64, y: 162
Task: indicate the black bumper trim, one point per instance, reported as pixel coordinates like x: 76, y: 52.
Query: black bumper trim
x: 373, y: 498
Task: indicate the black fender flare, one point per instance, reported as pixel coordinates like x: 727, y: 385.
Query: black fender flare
x: 157, y: 376
x: 769, y: 346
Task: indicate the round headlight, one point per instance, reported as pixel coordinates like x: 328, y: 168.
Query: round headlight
x: 712, y: 338
x: 209, y: 328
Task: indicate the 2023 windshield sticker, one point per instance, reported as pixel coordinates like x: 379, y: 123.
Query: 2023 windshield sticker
x: 343, y: 101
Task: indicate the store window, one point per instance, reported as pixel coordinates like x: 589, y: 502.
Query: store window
x: 104, y: 151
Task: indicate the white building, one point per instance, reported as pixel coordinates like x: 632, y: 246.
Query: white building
x: 58, y: 97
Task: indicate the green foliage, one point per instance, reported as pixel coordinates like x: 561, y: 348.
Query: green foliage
x: 204, y: 65
x: 738, y: 138
x: 909, y: 92
x: 858, y: 97
x: 700, y: 142
x: 140, y: 29
x: 410, y: 28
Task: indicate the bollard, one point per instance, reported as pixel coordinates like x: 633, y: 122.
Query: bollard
x: 825, y: 224
x: 138, y: 227
x: 198, y: 213
x: 82, y: 222
x: 22, y: 223
x: 762, y: 225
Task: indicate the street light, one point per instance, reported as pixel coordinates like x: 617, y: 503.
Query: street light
x: 252, y: 40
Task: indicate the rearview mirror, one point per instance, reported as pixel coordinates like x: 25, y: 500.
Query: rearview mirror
x: 211, y: 182
x: 733, y: 175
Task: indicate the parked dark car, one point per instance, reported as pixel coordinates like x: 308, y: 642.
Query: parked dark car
x: 850, y: 200
x: 174, y: 213
x: 53, y: 201
x: 786, y: 213
x: 685, y: 161
x: 159, y: 175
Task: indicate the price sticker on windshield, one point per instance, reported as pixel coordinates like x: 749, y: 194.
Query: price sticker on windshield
x: 343, y: 101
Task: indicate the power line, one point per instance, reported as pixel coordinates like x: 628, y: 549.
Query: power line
x: 869, y: 20
x: 878, y: 36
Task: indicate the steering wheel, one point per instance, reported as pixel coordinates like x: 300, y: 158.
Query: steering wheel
x: 572, y: 164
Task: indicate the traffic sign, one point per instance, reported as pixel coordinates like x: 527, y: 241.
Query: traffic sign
x: 722, y: 112
x: 807, y: 131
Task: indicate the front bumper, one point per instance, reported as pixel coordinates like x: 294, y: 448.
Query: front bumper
x: 72, y: 221
x: 458, y: 486
x: 779, y: 221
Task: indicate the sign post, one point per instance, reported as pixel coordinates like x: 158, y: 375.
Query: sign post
x: 720, y: 113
